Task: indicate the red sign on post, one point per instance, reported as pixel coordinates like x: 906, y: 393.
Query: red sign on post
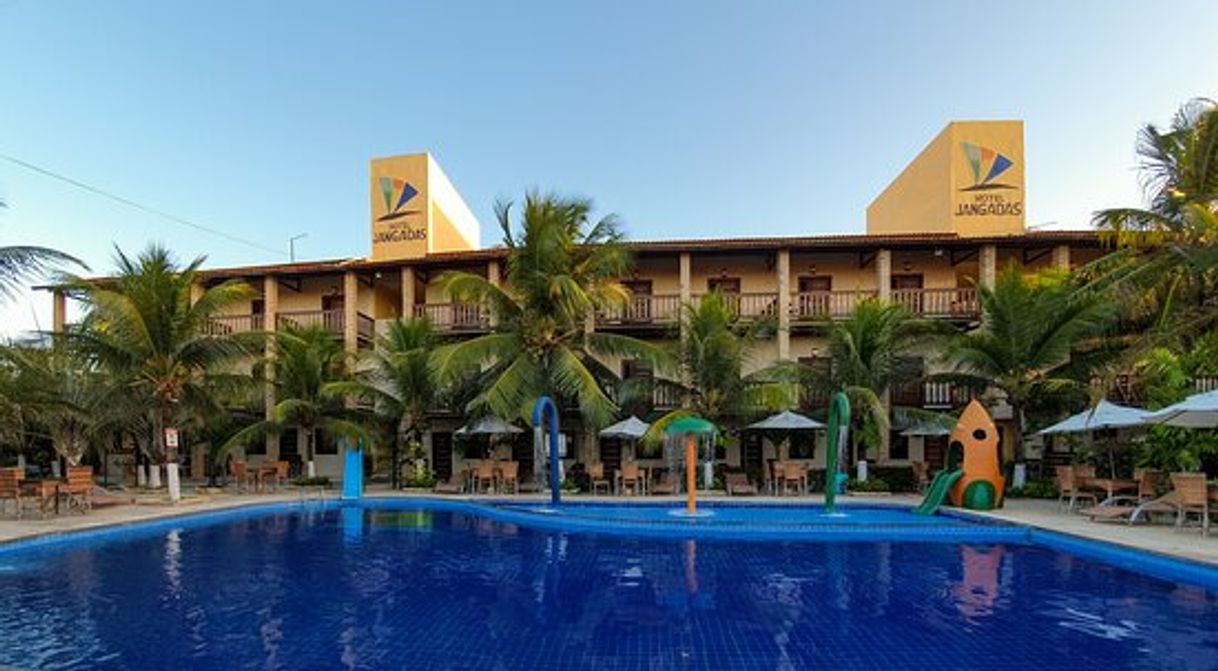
x: 171, y: 437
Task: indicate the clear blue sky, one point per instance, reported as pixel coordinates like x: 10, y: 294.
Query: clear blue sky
x: 688, y: 118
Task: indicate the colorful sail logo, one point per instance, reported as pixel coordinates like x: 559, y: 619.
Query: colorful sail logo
x: 396, y: 193
x: 986, y: 165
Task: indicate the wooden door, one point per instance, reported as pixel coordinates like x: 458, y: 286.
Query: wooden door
x: 639, y: 307
x: 813, y: 299
x: 907, y: 290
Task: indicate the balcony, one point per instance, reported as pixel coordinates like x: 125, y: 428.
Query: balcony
x: 455, y: 317
x: 642, y: 311
x: 225, y: 325
x: 822, y: 305
x: 950, y: 303
x: 333, y: 321
x: 931, y: 395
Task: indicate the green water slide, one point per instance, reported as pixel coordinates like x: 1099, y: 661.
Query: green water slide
x: 939, y: 487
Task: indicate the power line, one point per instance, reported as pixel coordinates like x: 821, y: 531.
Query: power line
x: 131, y: 203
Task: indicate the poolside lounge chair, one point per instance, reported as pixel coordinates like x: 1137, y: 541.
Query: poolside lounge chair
x: 1069, y: 488
x: 10, y: 487
x: 1126, y: 509
x: 1192, y: 498
x: 454, y: 485
x: 79, y: 488
x: 738, y: 484
x: 667, y: 486
x: 596, y: 477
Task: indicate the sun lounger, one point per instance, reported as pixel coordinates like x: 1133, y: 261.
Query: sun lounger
x: 455, y: 485
x: 1127, y: 510
x: 738, y: 484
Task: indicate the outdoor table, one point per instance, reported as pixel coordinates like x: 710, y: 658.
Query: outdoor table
x: 1112, y: 485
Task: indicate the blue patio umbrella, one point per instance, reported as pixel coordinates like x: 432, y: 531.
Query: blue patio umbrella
x: 1199, y: 411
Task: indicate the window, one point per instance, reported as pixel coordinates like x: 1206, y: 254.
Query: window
x: 898, y: 446
x: 724, y: 285
x: 258, y: 306
x: 325, y: 444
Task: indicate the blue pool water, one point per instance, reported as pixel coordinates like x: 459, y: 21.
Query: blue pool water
x: 409, y: 585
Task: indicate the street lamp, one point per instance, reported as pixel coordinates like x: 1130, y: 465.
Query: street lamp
x: 292, y: 245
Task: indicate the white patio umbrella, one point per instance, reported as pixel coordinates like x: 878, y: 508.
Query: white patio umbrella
x: 785, y: 423
x: 1199, y: 411
x: 1103, y: 416
x: 631, y: 428
x: 488, y: 426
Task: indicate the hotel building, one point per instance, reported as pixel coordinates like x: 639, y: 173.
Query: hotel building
x: 951, y: 220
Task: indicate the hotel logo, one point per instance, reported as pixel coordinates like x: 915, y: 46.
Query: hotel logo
x: 986, y: 165
x: 396, y: 194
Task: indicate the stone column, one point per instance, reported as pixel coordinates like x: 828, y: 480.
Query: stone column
x: 350, y: 311
x: 407, y: 292
x: 685, y: 271
x: 492, y: 272
x: 1061, y: 257
x: 782, y: 269
x: 883, y: 274
x: 988, y: 262
x: 270, y: 318
x: 196, y: 292
x: 492, y: 275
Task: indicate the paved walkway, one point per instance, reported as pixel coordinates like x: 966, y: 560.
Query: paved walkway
x: 1163, y: 539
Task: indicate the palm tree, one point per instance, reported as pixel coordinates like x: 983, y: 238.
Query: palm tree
x: 145, y: 331
x: 20, y: 264
x: 398, y: 380
x: 561, y: 269
x: 1166, y: 267
x: 869, y: 353
x: 712, y: 354
x: 308, y: 361
x: 1030, y: 328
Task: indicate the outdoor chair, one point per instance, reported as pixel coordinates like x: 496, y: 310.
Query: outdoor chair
x: 454, y: 485
x: 921, y: 471
x: 738, y: 484
x: 78, y: 490
x: 484, y: 476
x: 667, y: 486
x: 1068, y: 488
x: 1129, y: 511
x: 793, y: 474
x: 10, y: 487
x: 1192, y: 498
x: 240, y: 472
x: 509, y: 472
x: 630, y: 478
x: 596, y: 477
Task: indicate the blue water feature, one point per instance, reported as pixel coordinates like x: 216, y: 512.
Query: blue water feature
x: 353, y: 473
x: 541, y: 410
x: 413, y: 584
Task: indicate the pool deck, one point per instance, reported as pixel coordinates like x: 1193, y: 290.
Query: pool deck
x: 1161, y: 539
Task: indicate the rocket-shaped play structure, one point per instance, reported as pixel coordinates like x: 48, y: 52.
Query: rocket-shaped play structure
x: 977, y: 484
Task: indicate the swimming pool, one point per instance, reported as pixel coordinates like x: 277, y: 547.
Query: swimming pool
x: 446, y: 585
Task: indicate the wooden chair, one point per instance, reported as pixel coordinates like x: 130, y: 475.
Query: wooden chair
x: 239, y: 470
x: 596, y: 476
x: 78, y: 490
x: 630, y: 478
x: 793, y: 474
x: 509, y: 476
x: 1068, y: 487
x: 921, y: 472
x: 738, y: 484
x: 10, y: 487
x: 484, y: 474
x: 1192, y: 497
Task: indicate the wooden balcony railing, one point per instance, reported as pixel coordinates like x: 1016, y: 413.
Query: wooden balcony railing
x: 818, y: 305
x: 232, y: 324
x: 1204, y: 384
x: 455, y: 316
x: 330, y: 320
x: 643, y: 310
x: 950, y: 303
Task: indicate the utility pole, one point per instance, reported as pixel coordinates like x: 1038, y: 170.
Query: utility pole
x: 292, y: 245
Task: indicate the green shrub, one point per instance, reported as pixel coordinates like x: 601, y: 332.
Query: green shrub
x: 424, y: 480
x: 1034, y: 489
x: 869, y: 485
x: 316, y: 481
x: 900, y: 479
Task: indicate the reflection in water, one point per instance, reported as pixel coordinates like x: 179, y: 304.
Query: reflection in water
x: 339, y: 590
x: 977, y: 591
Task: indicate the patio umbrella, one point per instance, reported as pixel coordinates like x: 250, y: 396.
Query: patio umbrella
x: 1102, y: 417
x: 1199, y: 411
x: 487, y: 426
x: 630, y: 429
x: 786, y: 422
